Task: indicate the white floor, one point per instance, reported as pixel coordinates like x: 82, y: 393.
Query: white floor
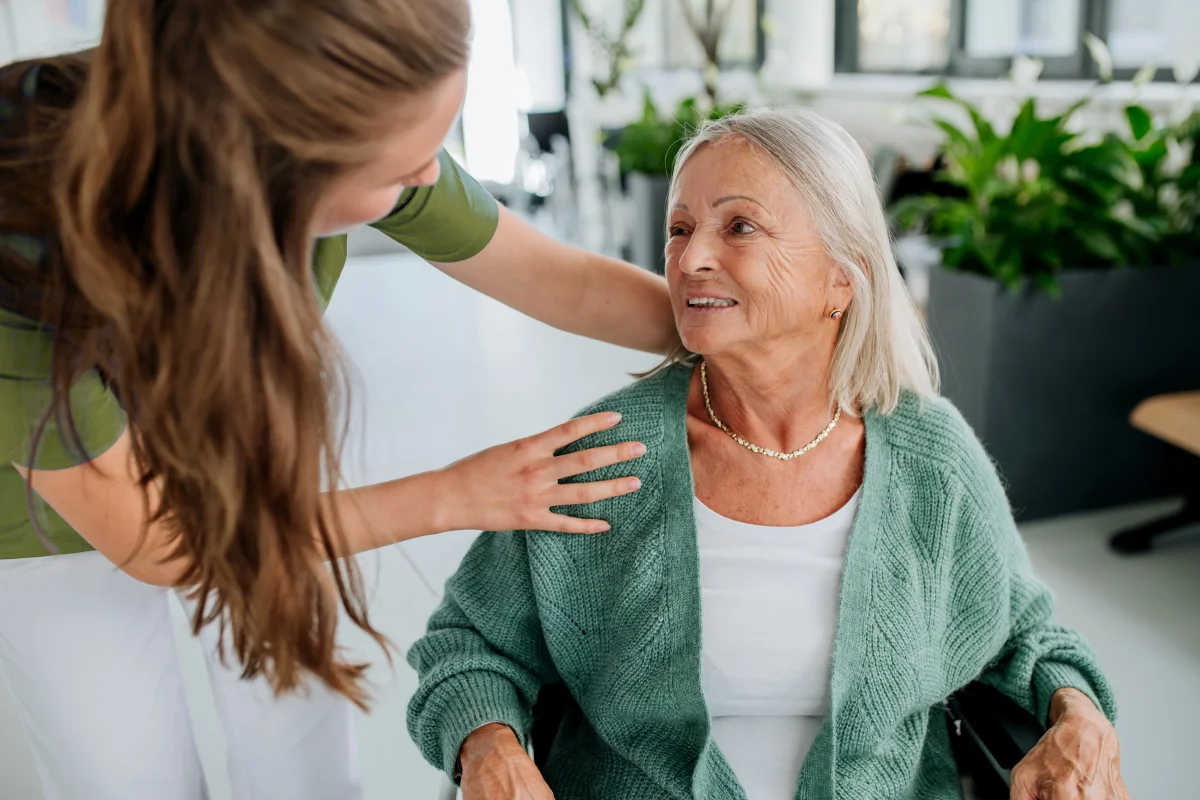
x: 443, y: 372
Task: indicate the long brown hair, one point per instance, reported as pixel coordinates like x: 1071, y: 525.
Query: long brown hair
x: 174, y: 173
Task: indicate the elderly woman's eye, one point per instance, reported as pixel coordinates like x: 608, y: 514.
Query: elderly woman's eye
x: 741, y: 227
x: 675, y: 230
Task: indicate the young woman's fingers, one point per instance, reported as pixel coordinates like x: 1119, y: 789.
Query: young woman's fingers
x: 562, y: 435
x: 595, y: 458
x: 581, y: 494
x: 564, y: 524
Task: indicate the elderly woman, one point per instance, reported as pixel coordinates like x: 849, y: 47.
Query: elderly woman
x: 821, y: 551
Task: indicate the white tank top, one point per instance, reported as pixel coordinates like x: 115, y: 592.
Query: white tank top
x: 769, y: 600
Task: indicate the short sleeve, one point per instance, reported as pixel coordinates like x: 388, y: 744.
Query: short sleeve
x: 26, y: 349
x: 450, y: 221
x: 25, y: 400
x: 329, y: 259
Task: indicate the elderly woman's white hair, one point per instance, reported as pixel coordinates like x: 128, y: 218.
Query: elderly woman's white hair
x: 883, y: 347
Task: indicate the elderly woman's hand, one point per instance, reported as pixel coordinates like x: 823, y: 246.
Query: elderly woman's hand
x: 1078, y: 757
x: 496, y: 767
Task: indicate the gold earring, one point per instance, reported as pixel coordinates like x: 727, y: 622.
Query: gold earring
x: 836, y: 315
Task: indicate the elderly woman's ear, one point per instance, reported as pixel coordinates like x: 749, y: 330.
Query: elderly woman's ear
x: 839, y: 292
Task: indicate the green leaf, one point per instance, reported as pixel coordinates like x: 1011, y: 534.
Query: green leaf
x: 1099, y: 243
x: 1078, y: 104
x: 633, y: 11
x: 649, y: 145
x: 584, y: 19
x: 1025, y: 118
x: 1144, y: 75
x: 1048, y: 283
x: 726, y: 110
x: 1189, y: 179
x: 1151, y: 157
x: 983, y: 128
x: 953, y: 133
x: 939, y: 90
x: 1139, y: 121
x: 1140, y: 226
x: 649, y: 110
x: 1039, y: 139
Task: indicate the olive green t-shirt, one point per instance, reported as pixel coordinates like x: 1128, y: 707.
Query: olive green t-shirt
x: 450, y: 221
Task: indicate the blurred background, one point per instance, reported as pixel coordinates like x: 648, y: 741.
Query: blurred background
x: 1039, y: 162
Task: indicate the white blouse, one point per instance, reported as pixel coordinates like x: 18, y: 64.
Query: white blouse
x: 769, y: 600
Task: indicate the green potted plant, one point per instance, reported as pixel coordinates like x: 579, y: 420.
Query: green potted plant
x: 1069, y: 291
x: 611, y: 48
x: 645, y: 150
x: 707, y: 25
x: 646, y: 147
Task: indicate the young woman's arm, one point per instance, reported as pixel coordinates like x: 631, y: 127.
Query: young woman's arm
x: 511, y: 486
x: 570, y: 289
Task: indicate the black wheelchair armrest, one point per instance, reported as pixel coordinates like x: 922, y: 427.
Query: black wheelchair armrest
x: 548, y: 712
x: 990, y: 733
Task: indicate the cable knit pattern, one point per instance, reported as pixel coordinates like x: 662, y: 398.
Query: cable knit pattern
x: 937, y: 592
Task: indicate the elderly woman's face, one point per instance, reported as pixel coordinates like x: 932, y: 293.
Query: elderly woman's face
x: 744, y: 264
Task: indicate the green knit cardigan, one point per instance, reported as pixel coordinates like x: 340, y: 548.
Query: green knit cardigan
x: 937, y: 592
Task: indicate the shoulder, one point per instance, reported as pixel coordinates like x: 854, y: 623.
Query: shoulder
x: 26, y: 348
x: 450, y: 221
x: 933, y: 432
x: 645, y: 407
x: 927, y: 426
x: 27, y: 402
x: 642, y: 406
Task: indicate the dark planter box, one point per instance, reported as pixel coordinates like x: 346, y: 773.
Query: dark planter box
x: 648, y: 228
x: 1048, y: 384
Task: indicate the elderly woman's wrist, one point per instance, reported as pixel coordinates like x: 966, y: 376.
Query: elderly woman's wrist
x: 1069, y: 701
x: 484, y: 740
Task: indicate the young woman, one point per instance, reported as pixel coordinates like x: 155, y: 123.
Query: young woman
x: 172, y: 211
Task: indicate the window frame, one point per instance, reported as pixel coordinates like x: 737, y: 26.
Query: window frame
x: 1094, y: 17
x: 760, y: 45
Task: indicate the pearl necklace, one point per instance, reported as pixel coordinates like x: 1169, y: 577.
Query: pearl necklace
x: 766, y: 451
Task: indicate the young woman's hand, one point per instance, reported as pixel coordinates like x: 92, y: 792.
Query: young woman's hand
x: 1078, y: 757
x: 513, y: 486
x: 496, y: 767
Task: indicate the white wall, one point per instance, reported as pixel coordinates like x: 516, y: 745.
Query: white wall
x: 490, y: 123
x: 538, y: 42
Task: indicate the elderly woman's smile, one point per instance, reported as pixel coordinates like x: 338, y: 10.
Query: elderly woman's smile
x: 703, y: 303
